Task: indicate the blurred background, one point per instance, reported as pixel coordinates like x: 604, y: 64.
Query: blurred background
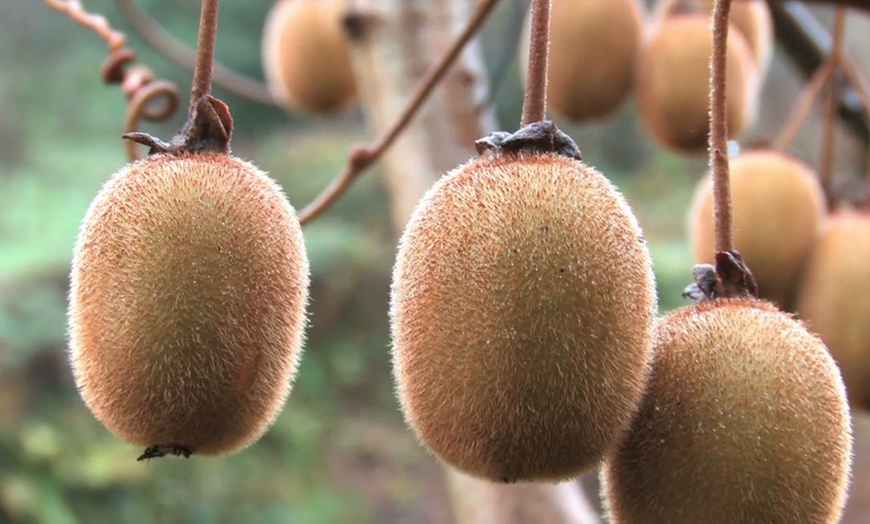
x: 339, y: 452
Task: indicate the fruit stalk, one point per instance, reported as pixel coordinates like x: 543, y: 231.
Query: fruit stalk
x: 202, y: 73
x: 535, y: 100
x: 719, y: 128
x: 826, y: 169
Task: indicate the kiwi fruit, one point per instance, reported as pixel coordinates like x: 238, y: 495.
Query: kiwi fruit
x: 751, y: 18
x: 593, y: 48
x: 831, y: 300
x: 858, y: 505
x: 673, y: 83
x: 778, y: 207
x: 306, y: 56
x: 745, y: 420
x: 521, y: 313
x: 187, y: 303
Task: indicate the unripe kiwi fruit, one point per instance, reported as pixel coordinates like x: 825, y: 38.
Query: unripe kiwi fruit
x: 187, y: 302
x: 778, y: 207
x: 673, y: 83
x: 833, y: 300
x: 521, y: 313
x: 306, y: 56
x: 750, y: 17
x: 744, y: 421
x: 593, y: 49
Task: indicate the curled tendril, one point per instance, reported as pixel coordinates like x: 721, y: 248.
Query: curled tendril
x: 147, y: 98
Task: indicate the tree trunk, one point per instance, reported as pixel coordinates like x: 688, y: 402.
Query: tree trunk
x: 396, y: 43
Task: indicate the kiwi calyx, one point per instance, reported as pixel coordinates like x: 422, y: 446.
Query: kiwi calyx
x: 729, y: 278
x: 161, y: 451
x: 208, y: 129
x: 537, y: 137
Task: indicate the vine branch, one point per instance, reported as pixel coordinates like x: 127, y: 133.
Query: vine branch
x: 826, y: 167
x: 802, y: 106
x: 202, y: 73
x: 362, y: 157
x: 719, y: 128
x: 535, y: 99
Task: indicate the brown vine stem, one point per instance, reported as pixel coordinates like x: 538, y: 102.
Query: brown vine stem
x: 802, y: 107
x: 826, y: 167
x: 362, y: 157
x: 178, y: 53
x: 96, y: 23
x: 535, y: 99
x: 719, y: 128
x: 202, y: 73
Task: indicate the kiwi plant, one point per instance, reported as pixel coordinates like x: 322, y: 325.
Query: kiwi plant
x: 778, y: 207
x: 832, y: 301
x: 593, y: 48
x: 188, y: 294
x: 744, y: 421
x: 673, y: 78
x: 521, y: 312
x: 306, y: 56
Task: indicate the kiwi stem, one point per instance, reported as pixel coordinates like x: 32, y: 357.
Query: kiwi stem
x: 202, y: 73
x: 719, y: 128
x: 362, y: 157
x: 826, y: 167
x: 535, y: 99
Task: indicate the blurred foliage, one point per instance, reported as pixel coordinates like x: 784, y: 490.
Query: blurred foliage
x: 339, y: 452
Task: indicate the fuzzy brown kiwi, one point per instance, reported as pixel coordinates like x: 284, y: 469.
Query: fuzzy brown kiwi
x: 833, y: 301
x: 778, y: 207
x: 858, y: 505
x: 593, y: 49
x: 521, y: 313
x: 673, y: 82
x: 187, y: 303
x: 744, y: 421
x: 306, y: 56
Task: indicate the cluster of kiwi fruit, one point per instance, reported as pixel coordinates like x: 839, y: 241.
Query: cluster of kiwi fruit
x: 601, y: 52
x: 306, y: 56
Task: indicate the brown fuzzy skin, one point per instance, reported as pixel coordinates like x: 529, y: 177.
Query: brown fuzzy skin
x: 858, y: 505
x: 306, y: 56
x: 744, y: 421
x: 521, y: 313
x: 187, y: 306
x: 673, y: 83
x: 778, y: 207
x: 833, y: 301
x: 593, y: 49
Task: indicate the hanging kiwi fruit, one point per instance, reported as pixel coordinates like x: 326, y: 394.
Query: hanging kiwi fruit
x: 189, y: 290
x: 521, y: 312
x: 306, y: 56
x: 673, y: 79
x: 593, y: 49
x: 745, y: 419
x: 778, y: 207
x: 831, y: 301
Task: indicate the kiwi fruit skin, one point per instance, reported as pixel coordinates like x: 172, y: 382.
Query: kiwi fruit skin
x: 593, y: 49
x: 187, y: 305
x: 521, y: 312
x: 307, y: 58
x: 832, y: 301
x: 673, y: 83
x: 744, y: 420
x: 777, y: 209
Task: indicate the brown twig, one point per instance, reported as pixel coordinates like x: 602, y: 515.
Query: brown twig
x: 178, y: 53
x: 826, y: 166
x: 535, y: 99
x: 719, y: 128
x: 802, y: 107
x: 362, y: 157
x: 96, y: 23
x: 202, y: 73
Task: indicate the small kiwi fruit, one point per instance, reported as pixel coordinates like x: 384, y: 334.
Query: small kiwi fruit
x: 306, y: 56
x: 778, y: 207
x: 593, y: 48
x: 521, y: 313
x: 187, y: 303
x: 745, y: 420
x: 673, y: 83
x: 832, y: 301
